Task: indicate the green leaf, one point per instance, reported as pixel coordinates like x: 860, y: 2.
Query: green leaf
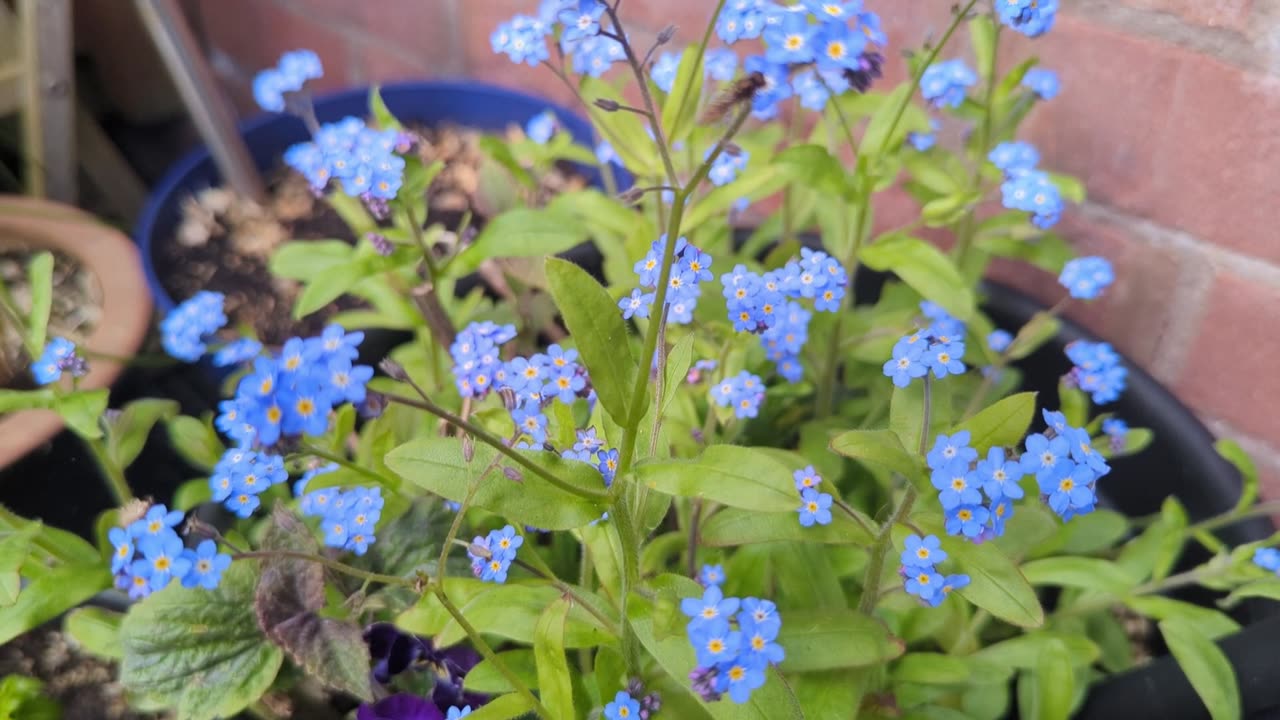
x: 51, y: 594
x: 328, y: 285
x: 1269, y: 588
x: 1054, y: 681
x: 733, y: 526
x: 289, y: 594
x: 1023, y: 651
x: 305, y: 259
x: 625, y: 131
x: 982, y: 37
x: 14, y: 549
x: 510, y: 611
x: 195, y: 441
x: 679, y: 360
x: 81, y: 410
x: 731, y: 475
x: 1210, y: 622
x: 40, y: 285
x: 507, y: 707
x: 1004, y: 424
x: 682, y: 103
x: 1206, y: 667
x: 381, y: 114
x: 1080, y: 572
x: 1073, y: 404
x: 947, y: 209
x: 1085, y: 535
x: 756, y: 182
x: 929, y: 668
x: 23, y: 698
x: 879, y: 447
x: 1070, y: 188
x: 522, y: 232
x: 600, y: 333
x: 877, y: 139
x: 1041, y: 328
x: 835, y: 639
x: 96, y: 630
x: 12, y: 400
x: 128, y: 433
x: 923, y: 267
x: 554, y: 683
x: 486, y: 678
x: 812, y: 166
x: 437, y: 464
x: 199, y: 651
x: 996, y: 584
x: 1231, y: 451
x: 906, y: 414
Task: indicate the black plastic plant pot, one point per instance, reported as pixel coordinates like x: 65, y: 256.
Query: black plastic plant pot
x: 1180, y: 462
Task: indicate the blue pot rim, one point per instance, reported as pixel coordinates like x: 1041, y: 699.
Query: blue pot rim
x: 168, y: 189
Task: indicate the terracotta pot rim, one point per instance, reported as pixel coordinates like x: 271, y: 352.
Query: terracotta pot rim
x: 116, y: 264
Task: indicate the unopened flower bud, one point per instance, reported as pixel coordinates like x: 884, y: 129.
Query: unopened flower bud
x: 393, y: 369
x: 513, y: 474
x: 380, y: 243
x: 667, y: 34
x: 481, y: 551
x: 607, y: 105
x: 468, y: 448
x: 197, y: 528
x: 631, y: 195
x: 509, y: 399
x: 733, y: 149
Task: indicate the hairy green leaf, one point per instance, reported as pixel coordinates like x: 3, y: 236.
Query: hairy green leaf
x: 925, y: 268
x: 96, y: 630
x: 127, y: 434
x: 81, y: 410
x: 682, y: 104
x: 996, y: 584
x: 521, y: 232
x: 1080, y: 572
x: 735, y: 476
x: 879, y: 447
x: 40, y: 285
x: 437, y: 464
x: 554, y: 683
x: 1206, y: 666
x: 1004, y: 424
x: 834, y: 639
x: 199, y: 652
x: 600, y: 333
x: 733, y: 526
x: 195, y: 441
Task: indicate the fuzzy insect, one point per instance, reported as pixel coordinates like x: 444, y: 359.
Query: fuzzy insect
x: 741, y: 91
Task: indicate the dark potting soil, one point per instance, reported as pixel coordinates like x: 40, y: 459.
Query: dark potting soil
x: 74, y: 313
x: 225, y: 242
x: 84, y: 685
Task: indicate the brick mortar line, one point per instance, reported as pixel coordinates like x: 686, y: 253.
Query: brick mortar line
x: 1263, y: 452
x: 357, y: 36
x: 1222, y: 43
x: 1247, y: 266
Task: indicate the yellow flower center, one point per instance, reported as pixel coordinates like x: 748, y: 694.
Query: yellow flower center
x: 958, y: 484
x: 794, y: 42
x: 163, y: 563
x: 965, y: 515
x: 203, y: 566
x: 757, y: 643
x: 715, y: 645
x: 922, y: 553
x: 273, y: 414
x: 293, y: 362
x: 737, y: 672
x: 1067, y: 485
x: 306, y: 407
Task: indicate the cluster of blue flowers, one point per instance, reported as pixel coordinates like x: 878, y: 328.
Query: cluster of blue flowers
x: 945, y: 84
x: 492, y: 555
x: 765, y: 304
x: 1025, y: 188
x: 727, y: 166
x: 923, y: 141
x: 691, y: 268
x: 476, y: 359
x: 939, y: 347
x: 717, y: 64
x: 1043, y: 82
x: 1066, y: 466
x: 920, y: 557
x: 961, y: 481
x: 590, y: 449
x: 59, y: 356
x: 292, y: 393
x: 815, y: 507
x: 1088, y: 277
x: 1032, y: 18
x: 288, y: 76
x: 743, y: 392
x: 347, y: 517
x: 1097, y: 370
x: 186, y: 331
x: 148, y: 554
x: 731, y: 661
x: 834, y: 46
x: 362, y: 159
x: 523, y: 38
x: 242, y: 475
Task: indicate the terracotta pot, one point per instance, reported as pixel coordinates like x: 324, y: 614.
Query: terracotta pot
x: 126, y: 304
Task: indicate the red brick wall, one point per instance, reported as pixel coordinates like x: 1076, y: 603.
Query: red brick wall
x: 1168, y: 114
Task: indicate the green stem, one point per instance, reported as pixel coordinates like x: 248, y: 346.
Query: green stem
x: 655, y: 121
x: 331, y: 564
x: 1270, y: 507
x: 349, y: 465
x: 114, y: 475
x: 483, y: 646
x: 853, y: 515
x: 497, y: 443
x: 875, y: 564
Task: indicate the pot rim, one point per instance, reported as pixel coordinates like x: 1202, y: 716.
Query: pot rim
x: 116, y: 264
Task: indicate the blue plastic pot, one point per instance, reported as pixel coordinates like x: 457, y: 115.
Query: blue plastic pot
x: 466, y: 104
